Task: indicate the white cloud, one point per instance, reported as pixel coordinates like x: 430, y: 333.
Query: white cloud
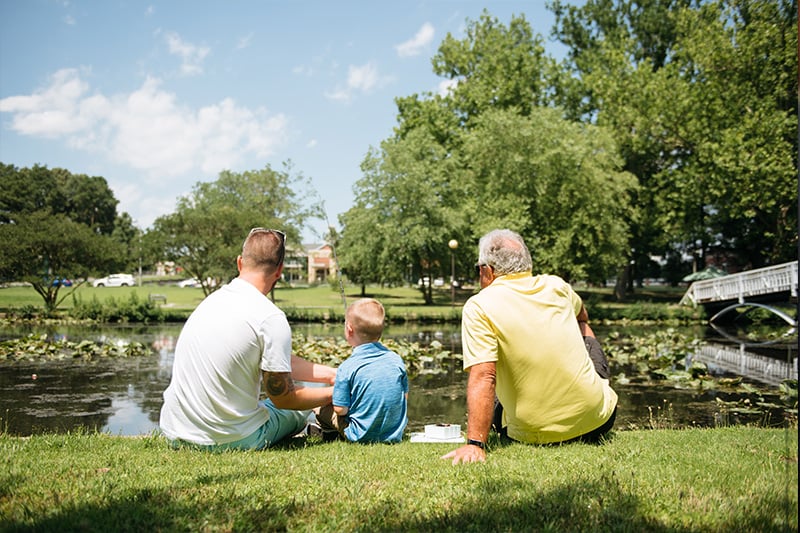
x: 149, y: 11
x: 147, y: 130
x: 69, y: 20
x: 302, y: 70
x: 192, y: 56
x: 417, y: 44
x: 50, y: 112
x: 362, y: 79
x: 245, y: 41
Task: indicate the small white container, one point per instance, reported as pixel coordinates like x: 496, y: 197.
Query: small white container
x: 442, y: 431
x: 439, y: 433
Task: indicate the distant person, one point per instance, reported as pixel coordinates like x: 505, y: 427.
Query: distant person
x: 523, y: 343
x: 233, y: 342
x: 371, y: 390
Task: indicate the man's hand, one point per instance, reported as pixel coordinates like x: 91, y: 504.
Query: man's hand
x: 467, y: 454
x: 480, y: 410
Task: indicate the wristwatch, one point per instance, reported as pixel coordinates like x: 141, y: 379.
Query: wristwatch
x: 479, y: 444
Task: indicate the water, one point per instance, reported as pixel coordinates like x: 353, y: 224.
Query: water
x: 123, y: 396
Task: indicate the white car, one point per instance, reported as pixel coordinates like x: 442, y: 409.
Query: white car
x: 115, y: 280
x: 195, y: 283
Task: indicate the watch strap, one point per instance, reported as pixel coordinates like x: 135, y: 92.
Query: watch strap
x: 479, y: 444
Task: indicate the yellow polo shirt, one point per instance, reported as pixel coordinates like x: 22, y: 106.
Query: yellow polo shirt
x: 546, y: 382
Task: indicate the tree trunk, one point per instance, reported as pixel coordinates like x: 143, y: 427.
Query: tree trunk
x: 623, y: 282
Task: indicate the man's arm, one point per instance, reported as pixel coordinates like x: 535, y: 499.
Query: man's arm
x: 480, y: 411
x: 303, y: 370
x: 283, y: 392
x: 583, y: 322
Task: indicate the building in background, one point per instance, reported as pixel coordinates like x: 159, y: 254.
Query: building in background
x: 321, y: 263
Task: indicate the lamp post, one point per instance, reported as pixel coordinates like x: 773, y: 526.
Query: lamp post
x: 453, y: 244
x: 139, y: 235
x: 140, y: 258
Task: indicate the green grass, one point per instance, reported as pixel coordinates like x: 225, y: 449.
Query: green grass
x: 402, y: 303
x: 726, y: 479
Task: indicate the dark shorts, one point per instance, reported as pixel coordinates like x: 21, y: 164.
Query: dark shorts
x: 597, y: 356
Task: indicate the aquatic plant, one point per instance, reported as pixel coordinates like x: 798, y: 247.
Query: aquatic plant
x: 41, y: 347
x: 419, y: 359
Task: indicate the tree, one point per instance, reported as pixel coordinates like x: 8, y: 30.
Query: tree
x: 488, y: 155
x: 701, y: 96
x: 87, y: 200
x: 495, y: 67
x: 408, y: 202
x: 130, y: 239
x: 362, y: 246
x: 25, y: 191
x: 83, y: 199
x: 42, y: 249
x: 205, y: 233
x: 557, y: 183
x: 55, y: 225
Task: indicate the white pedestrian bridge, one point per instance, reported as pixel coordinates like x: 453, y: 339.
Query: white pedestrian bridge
x: 749, y: 288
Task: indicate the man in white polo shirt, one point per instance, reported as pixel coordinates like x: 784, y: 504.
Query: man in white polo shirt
x: 523, y: 342
x: 235, y: 339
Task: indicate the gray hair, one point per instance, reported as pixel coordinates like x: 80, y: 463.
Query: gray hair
x: 505, y: 251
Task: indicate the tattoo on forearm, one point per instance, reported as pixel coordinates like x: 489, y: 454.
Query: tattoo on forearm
x: 279, y: 384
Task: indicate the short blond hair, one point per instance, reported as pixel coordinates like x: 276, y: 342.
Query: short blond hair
x: 366, y: 317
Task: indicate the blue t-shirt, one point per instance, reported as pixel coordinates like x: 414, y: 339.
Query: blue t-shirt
x: 372, y: 383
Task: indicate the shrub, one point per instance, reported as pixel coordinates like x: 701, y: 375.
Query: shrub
x: 133, y: 309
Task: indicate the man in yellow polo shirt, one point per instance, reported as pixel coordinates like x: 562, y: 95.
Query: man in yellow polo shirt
x: 523, y: 342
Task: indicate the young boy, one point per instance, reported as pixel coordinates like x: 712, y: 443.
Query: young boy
x: 371, y: 388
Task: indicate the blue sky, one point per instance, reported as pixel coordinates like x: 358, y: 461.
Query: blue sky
x: 157, y: 96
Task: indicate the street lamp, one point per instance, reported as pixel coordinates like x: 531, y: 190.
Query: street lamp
x: 139, y: 234
x: 140, y: 258
x: 453, y: 244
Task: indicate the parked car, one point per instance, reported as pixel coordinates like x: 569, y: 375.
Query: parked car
x: 194, y: 282
x: 426, y: 281
x: 115, y: 280
x: 62, y: 282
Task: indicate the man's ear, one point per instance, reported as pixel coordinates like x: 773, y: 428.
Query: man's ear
x: 239, y: 263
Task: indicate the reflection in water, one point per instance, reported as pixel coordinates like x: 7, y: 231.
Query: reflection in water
x: 123, y: 396
x: 738, y: 361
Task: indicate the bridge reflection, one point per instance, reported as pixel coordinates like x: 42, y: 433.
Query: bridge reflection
x: 768, y: 362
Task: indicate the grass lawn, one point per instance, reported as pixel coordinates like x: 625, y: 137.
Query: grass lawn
x: 724, y: 479
x: 401, y: 303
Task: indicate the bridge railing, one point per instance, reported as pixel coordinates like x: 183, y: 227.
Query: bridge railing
x: 761, y: 281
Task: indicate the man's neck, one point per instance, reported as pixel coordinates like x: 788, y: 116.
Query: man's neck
x: 257, y: 280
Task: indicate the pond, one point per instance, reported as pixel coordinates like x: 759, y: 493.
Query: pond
x: 122, y: 396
